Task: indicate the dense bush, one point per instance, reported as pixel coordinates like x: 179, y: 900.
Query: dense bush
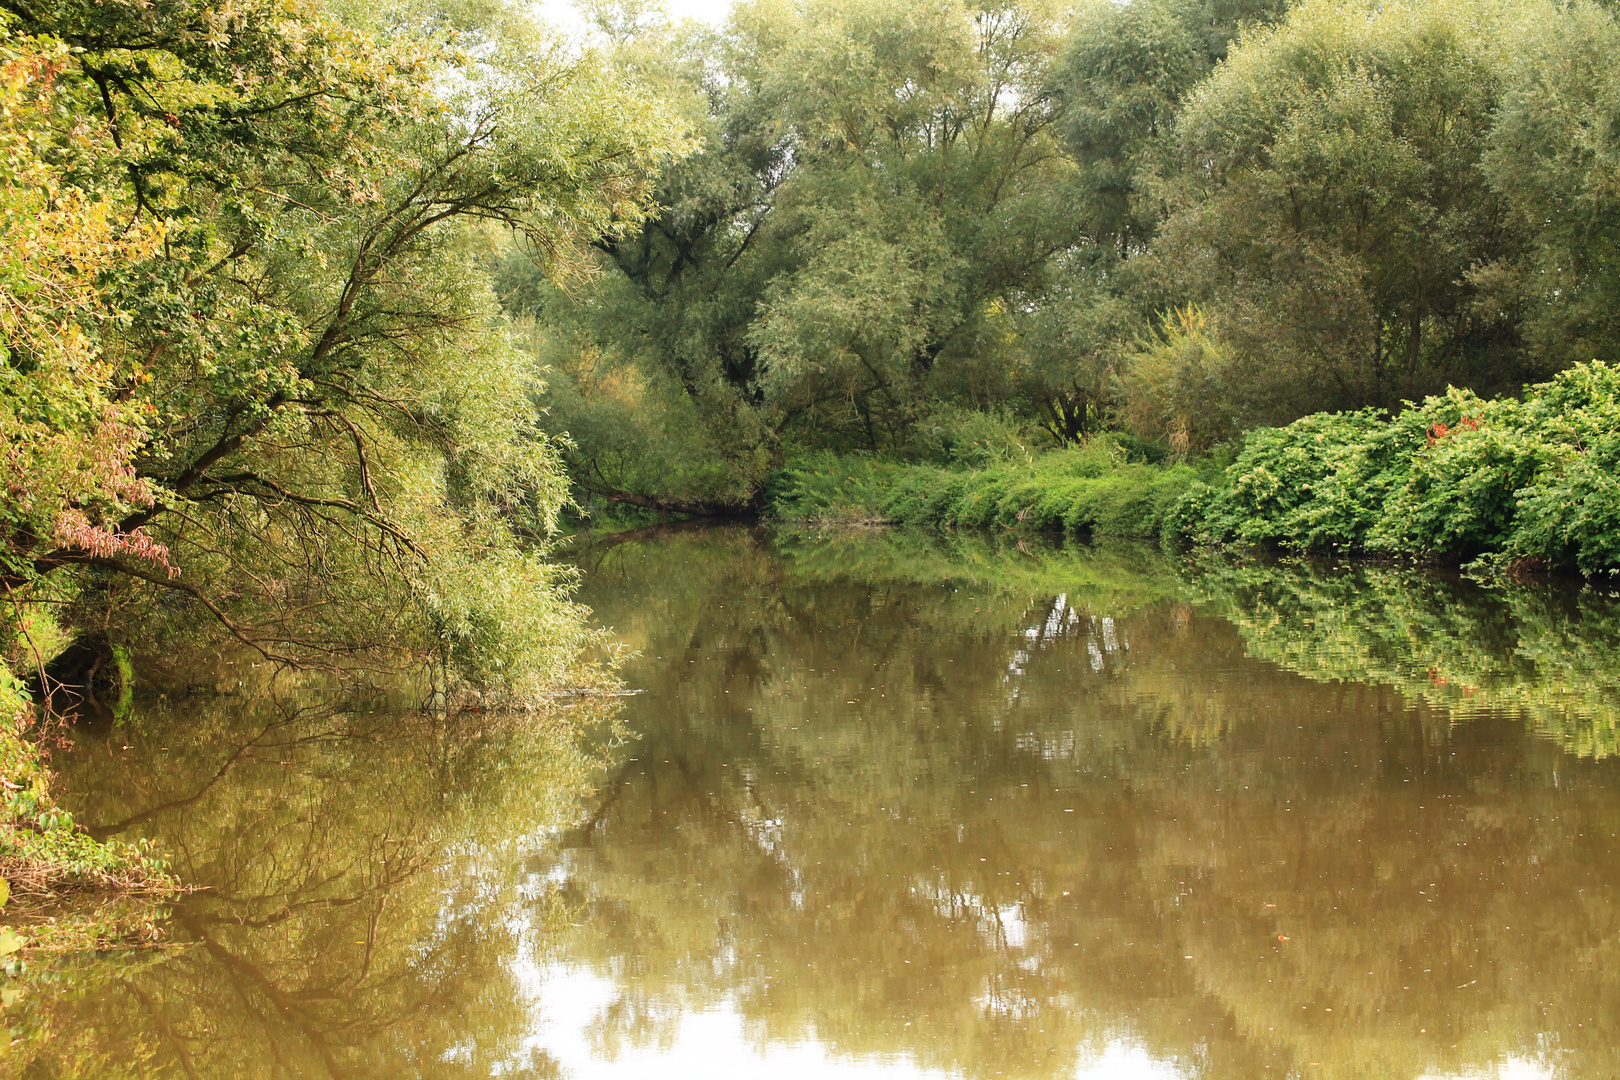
x: 1532, y: 479
x: 1535, y: 480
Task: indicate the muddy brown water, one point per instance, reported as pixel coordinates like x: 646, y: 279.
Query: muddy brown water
x: 894, y: 807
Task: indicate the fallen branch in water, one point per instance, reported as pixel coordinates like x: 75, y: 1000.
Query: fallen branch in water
x: 590, y: 691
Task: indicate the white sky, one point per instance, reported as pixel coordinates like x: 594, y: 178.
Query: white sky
x: 713, y: 11
x: 562, y: 13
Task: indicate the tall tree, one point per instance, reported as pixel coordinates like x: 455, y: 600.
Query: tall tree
x: 1555, y: 157
x: 1333, y: 203
x: 879, y: 183
x: 1122, y: 79
x: 336, y: 435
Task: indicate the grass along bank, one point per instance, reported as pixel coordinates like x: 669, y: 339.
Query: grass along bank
x: 1530, y: 482
x: 1090, y: 490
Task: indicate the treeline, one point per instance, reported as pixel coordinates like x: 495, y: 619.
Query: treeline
x: 927, y: 231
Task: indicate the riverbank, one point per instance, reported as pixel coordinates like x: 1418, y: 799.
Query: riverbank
x: 1531, y: 482
x: 47, y: 859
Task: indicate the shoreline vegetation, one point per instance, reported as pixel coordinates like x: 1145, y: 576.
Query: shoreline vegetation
x: 1517, y: 484
x: 47, y: 859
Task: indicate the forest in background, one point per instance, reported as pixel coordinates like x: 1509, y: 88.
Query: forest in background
x: 964, y: 236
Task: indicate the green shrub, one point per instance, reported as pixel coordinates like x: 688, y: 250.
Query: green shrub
x: 973, y: 438
x: 1571, y: 515
x: 39, y: 841
x: 1455, y: 476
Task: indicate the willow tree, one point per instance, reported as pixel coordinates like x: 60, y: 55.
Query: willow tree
x: 1555, y: 158
x: 1333, y: 209
x: 880, y: 183
x: 1123, y: 77
x: 333, y: 448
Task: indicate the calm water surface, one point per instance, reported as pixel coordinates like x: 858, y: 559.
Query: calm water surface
x: 891, y: 809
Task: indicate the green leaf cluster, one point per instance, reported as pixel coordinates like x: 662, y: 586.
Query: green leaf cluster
x: 1454, y: 476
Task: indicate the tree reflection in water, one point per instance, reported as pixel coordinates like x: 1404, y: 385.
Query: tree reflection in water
x: 361, y: 910
x: 988, y: 812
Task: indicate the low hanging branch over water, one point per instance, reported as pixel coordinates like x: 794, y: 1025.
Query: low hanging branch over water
x: 266, y: 369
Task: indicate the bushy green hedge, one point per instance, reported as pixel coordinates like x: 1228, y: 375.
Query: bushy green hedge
x: 1086, y: 491
x: 1537, y: 479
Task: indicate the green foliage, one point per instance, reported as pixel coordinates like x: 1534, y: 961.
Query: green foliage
x: 1172, y: 218
x: 1456, y: 476
x: 1556, y: 158
x: 824, y: 486
x: 1090, y: 490
x: 1124, y: 77
x: 282, y: 398
x: 1320, y: 482
x: 66, y: 444
x: 632, y: 430
x: 1175, y: 387
x: 1332, y: 204
x: 973, y: 438
x: 878, y: 181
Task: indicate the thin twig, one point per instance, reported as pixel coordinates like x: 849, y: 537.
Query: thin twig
x: 39, y: 661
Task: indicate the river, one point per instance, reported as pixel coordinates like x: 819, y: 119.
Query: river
x: 893, y: 807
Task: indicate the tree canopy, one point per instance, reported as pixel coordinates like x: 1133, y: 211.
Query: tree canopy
x: 253, y: 356
x: 1172, y: 219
